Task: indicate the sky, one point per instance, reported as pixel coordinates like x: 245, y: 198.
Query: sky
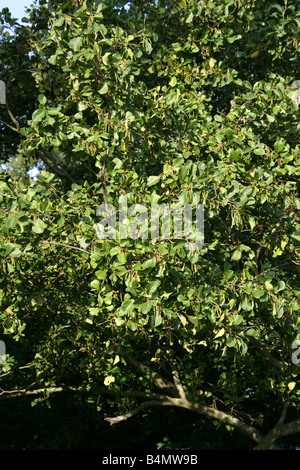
x: 16, y: 7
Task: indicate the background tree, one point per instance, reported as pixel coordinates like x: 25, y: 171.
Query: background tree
x: 159, y: 102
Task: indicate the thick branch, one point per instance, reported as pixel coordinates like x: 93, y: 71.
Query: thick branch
x: 178, y: 383
x: 141, y: 407
x: 280, y: 430
x: 264, y: 443
x: 283, y: 413
x: 164, y: 400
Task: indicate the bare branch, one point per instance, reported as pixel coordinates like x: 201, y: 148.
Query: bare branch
x: 13, y: 119
x: 10, y: 127
x: 5, y: 394
x: 141, y: 407
x: 46, y: 242
x: 6, y: 195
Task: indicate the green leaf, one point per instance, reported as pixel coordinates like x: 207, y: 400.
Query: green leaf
x: 59, y: 22
x: 127, y: 305
x: 189, y: 17
x: 16, y: 253
x: 8, y: 248
x: 149, y: 263
x: 182, y: 319
x: 236, y: 255
x: 104, y: 89
x: 152, y: 287
x: 152, y: 180
x: 109, y: 379
x: 101, y: 274
x: 76, y: 43
x: 37, y: 299
x: 146, y: 307
x: 95, y: 284
x: 173, y: 81
x: 38, y: 226
x: 258, y: 293
x: 220, y: 333
x: 246, y: 304
x: 38, y: 116
x: 268, y: 285
x: 157, y: 319
x: 42, y: 99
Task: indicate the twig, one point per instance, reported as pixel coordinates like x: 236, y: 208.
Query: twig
x: 256, y: 259
x: 17, y: 125
x: 89, y: 169
x: 10, y: 127
x: 267, y: 355
x: 46, y: 242
x: 223, y: 223
x: 47, y: 158
x: 6, y: 195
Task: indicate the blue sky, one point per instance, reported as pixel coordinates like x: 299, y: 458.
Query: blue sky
x: 16, y: 7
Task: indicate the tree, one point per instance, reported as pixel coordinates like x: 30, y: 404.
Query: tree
x: 146, y: 103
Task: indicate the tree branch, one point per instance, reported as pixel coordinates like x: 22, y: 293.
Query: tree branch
x: 161, y: 382
x: 141, y: 407
x: 47, y: 159
x: 267, y: 355
x: 264, y: 442
x: 210, y: 412
x: 178, y: 383
x: 10, y: 127
x: 46, y: 242
x: 108, y: 128
x: 13, y: 119
x: 283, y: 413
x: 5, y: 394
x: 280, y: 430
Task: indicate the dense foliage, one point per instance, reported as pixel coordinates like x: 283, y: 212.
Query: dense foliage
x: 180, y: 102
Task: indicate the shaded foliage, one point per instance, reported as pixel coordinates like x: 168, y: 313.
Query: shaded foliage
x: 154, y: 103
